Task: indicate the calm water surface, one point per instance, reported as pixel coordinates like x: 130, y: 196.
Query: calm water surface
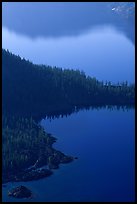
x: 103, y: 141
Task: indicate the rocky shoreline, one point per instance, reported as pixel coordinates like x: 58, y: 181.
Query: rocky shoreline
x: 29, y: 155
x: 50, y: 157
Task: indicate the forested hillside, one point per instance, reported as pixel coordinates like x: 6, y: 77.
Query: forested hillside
x: 25, y: 144
x: 33, y: 90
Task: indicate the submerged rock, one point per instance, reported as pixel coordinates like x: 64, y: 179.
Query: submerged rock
x: 20, y: 192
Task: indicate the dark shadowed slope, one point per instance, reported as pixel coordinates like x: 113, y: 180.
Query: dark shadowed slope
x: 32, y: 90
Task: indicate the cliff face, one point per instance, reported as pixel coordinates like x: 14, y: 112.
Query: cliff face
x: 125, y: 9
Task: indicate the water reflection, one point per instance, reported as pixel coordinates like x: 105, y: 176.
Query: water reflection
x: 76, y: 109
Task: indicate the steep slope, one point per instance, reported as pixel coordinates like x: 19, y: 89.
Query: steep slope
x: 33, y: 90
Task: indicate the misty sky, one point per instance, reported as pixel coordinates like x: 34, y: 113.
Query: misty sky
x: 83, y: 36
x: 36, y: 19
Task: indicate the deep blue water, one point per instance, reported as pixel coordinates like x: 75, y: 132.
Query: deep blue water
x: 103, y: 141
x: 101, y: 44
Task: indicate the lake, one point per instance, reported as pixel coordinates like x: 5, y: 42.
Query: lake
x: 104, y: 142
x: 102, y: 44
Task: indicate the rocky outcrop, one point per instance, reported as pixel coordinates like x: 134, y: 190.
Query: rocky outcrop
x: 48, y: 156
x: 56, y: 158
x: 20, y: 192
x: 67, y: 159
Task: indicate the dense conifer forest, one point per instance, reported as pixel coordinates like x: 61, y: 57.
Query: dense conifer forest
x: 26, y: 147
x: 32, y: 91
